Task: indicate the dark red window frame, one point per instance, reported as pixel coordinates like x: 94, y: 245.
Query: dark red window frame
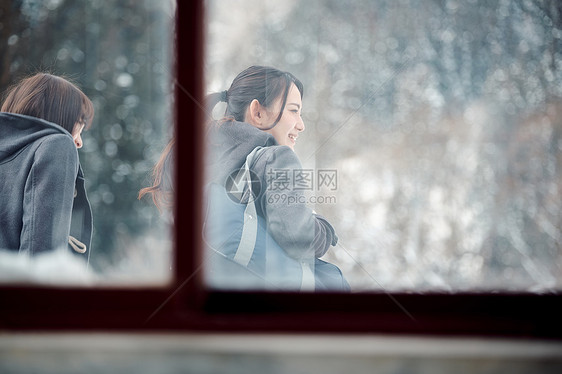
x: 186, y: 305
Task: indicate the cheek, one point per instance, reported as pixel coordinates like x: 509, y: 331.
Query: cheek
x: 286, y: 126
x: 283, y: 132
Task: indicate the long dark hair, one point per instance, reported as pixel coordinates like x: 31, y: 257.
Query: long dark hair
x: 263, y: 83
x: 162, y: 189
x: 51, y: 98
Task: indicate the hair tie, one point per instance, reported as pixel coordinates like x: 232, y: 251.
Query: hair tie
x: 224, y: 96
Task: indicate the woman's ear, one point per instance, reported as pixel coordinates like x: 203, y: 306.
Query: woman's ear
x: 254, y: 115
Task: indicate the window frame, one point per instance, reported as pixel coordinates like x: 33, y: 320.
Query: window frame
x: 185, y: 304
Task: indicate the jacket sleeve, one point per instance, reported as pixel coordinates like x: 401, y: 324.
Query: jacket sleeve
x: 49, y: 194
x: 293, y: 225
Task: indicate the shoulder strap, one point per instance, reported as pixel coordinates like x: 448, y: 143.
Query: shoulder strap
x: 250, y: 230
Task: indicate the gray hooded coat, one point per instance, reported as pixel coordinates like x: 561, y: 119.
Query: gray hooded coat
x: 300, y: 232
x: 42, y: 196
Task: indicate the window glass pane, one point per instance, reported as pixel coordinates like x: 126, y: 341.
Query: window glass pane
x: 433, y: 139
x: 119, y: 54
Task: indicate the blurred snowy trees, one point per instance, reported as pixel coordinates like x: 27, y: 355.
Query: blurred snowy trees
x: 119, y: 53
x: 443, y: 120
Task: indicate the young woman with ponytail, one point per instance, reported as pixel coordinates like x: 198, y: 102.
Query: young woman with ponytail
x: 263, y: 110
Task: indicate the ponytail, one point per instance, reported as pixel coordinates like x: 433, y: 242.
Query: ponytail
x: 213, y: 99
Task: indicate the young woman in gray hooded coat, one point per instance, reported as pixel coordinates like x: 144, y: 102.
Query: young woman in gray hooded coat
x: 43, y: 203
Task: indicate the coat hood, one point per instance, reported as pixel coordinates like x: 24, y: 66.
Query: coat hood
x: 229, y: 143
x: 17, y: 131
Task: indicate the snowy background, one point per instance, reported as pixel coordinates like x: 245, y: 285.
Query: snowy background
x: 443, y: 120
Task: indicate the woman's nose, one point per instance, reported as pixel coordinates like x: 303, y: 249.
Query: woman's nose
x: 300, y: 124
